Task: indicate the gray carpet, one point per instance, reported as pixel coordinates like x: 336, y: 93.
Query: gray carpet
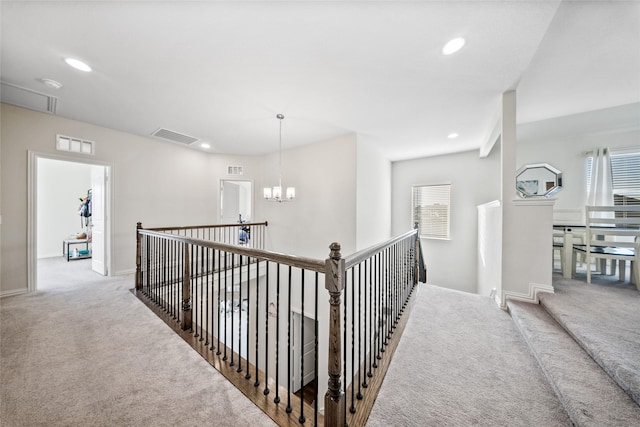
x: 462, y: 362
x: 589, y: 395
x: 604, y: 318
x: 84, y: 351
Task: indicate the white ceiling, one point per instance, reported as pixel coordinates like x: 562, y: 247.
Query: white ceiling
x: 221, y: 71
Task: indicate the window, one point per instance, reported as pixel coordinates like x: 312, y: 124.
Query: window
x: 431, y: 210
x: 625, y: 173
x: 76, y: 145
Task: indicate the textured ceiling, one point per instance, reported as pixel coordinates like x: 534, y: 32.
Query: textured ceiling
x: 221, y: 71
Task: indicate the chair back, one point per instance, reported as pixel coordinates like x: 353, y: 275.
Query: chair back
x: 612, y: 226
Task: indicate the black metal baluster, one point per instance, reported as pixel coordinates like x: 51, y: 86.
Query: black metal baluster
x: 367, y: 320
x: 266, y: 332
x: 301, y: 419
x: 202, y: 277
x: 233, y: 305
x: 277, y: 398
x: 315, y: 355
x: 257, y: 382
x: 155, y: 270
x: 380, y: 315
x: 360, y: 365
x: 352, y: 408
x: 163, y: 303
x: 289, y: 409
x: 240, y: 317
x: 179, y: 283
x: 175, y: 280
x: 206, y: 275
x: 213, y: 300
x: 194, y: 287
x: 248, y: 374
x: 394, y: 288
x: 226, y: 305
x: 344, y: 346
x: 219, y: 297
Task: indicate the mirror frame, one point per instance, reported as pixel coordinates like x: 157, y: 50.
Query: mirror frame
x: 550, y: 192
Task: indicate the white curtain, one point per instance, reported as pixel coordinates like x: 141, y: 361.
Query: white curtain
x: 601, y: 189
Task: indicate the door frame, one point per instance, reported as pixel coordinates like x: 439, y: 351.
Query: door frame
x: 221, y: 196
x: 32, y: 210
x: 297, y: 313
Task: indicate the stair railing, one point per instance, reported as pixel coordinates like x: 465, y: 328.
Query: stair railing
x: 259, y: 318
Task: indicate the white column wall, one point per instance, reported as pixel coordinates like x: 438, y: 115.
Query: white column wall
x: 373, y: 194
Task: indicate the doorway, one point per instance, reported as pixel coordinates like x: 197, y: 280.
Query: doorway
x: 58, y: 191
x: 303, y: 352
x: 236, y: 199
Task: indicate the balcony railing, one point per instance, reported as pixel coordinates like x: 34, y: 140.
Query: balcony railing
x: 261, y: 319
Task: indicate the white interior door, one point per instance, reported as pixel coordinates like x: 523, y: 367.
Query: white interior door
x: 235, y: 201
x: 307, y: 348
x: 98, y: 219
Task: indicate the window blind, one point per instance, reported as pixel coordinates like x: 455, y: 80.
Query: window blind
x: 625, y: 171
x: 431, y: 210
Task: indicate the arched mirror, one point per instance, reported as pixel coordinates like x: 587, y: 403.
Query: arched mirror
x: 538, y: 180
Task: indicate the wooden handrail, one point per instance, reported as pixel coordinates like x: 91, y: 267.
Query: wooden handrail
x: 360, y: 256
x: 295, y: 261
x: 193, y: 227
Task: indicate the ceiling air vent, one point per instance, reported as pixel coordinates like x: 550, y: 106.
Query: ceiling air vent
x: 173, y: 136
x: 27, y: 98
x: 234, y: 170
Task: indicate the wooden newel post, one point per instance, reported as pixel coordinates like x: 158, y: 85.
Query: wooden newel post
x: 138, y: 257
x: 186, y: 290
x: 334, y: 414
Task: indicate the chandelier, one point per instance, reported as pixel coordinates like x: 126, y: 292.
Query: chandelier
x: 275, y: 193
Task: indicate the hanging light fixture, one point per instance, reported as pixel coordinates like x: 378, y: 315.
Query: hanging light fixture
x: 275, y: 193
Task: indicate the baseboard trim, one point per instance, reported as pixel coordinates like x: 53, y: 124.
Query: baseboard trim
x: 126, y: 272
x: 12, y: 293
x: 531, y: 297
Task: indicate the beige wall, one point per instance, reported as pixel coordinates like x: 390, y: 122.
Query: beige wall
x: 154, y: 182
x: 162, y: 184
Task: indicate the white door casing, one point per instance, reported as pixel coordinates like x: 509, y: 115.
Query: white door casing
x: 98, y: 219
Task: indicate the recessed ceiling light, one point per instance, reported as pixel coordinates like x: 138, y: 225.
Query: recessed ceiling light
x: 51, y: 83
x: 452, y: 135
x: 77, y: 64
x: 205, y: 145
x: 453, y: 46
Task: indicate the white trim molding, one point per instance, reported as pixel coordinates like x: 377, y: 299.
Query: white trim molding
x: 12, y: 293
x: 32, y: 208
x: 531, y: 297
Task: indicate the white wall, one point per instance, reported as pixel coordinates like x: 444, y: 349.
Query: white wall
x: 324, y: 210
x: 373, y: 192
x: 450, y: 263
x: 60, y: 187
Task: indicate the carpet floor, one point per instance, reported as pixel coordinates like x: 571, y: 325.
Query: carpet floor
x: 603, y: 318
x: 84, y: 351
x: 462, y: 362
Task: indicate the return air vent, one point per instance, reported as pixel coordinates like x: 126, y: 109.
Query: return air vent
x: 174, y: 136
x: 234, y: 170
x: 27, y: 98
